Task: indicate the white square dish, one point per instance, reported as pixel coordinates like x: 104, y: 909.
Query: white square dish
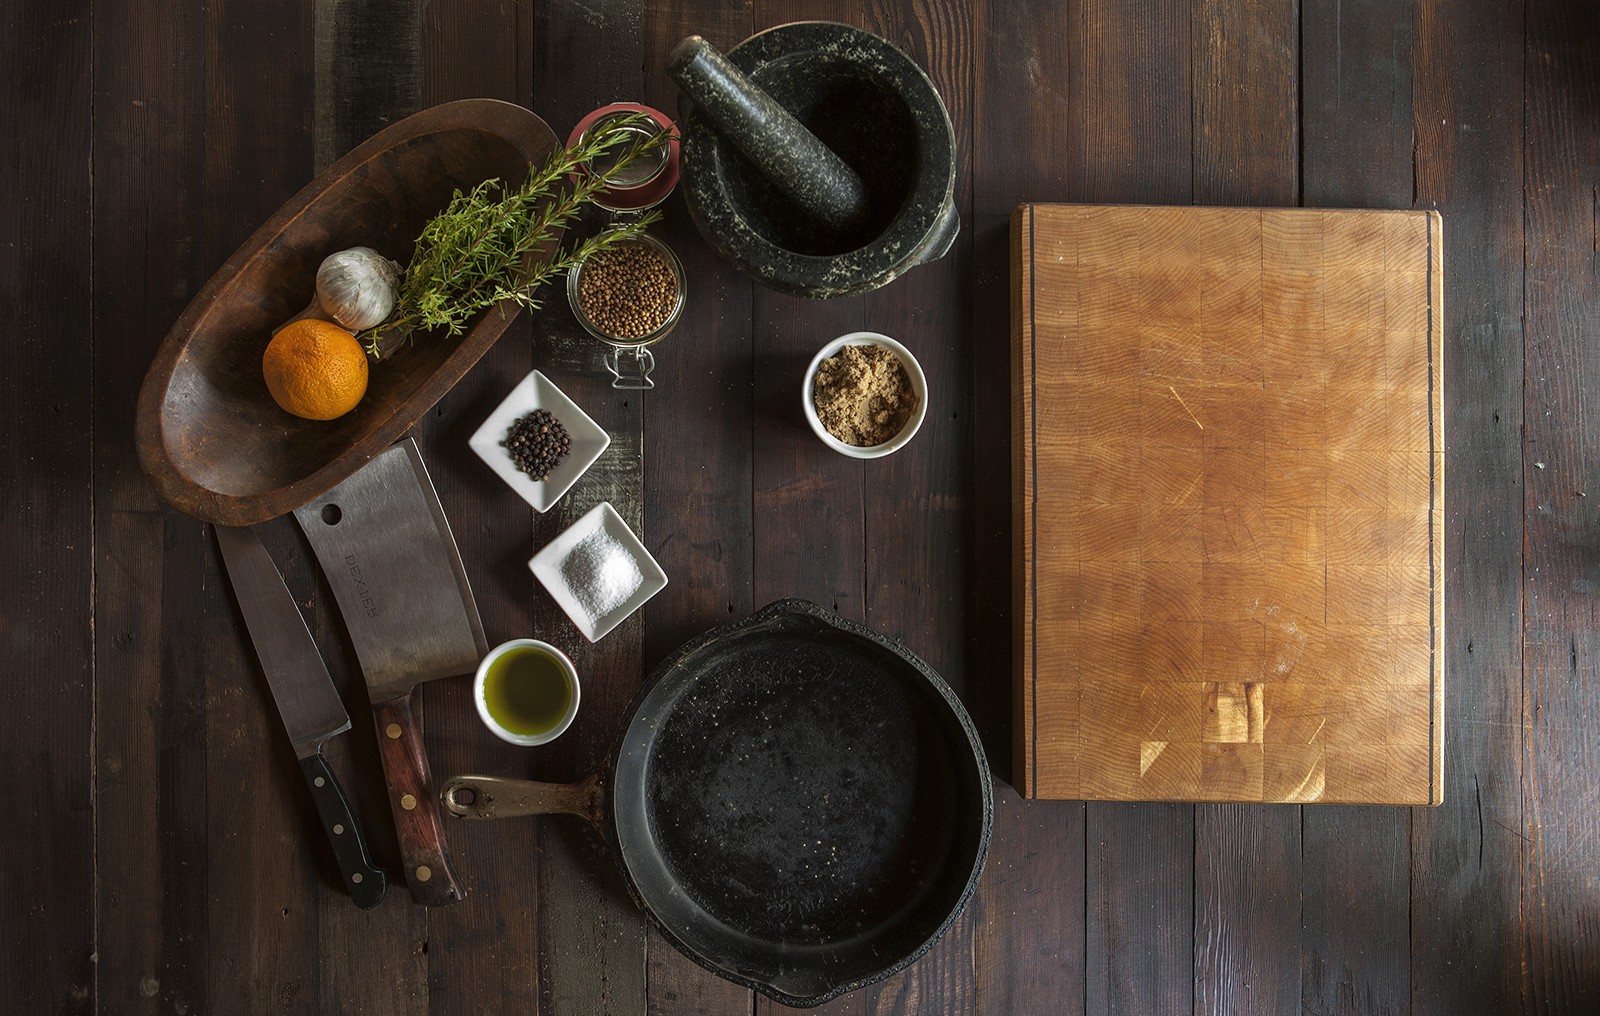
x: 589, y: 440
x: 591, y: 570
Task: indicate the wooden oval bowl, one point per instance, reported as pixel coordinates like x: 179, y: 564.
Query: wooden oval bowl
x: 210, y: 438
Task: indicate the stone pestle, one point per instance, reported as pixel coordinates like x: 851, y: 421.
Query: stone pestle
x: 807, y: 171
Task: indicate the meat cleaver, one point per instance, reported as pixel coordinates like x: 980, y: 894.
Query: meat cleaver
x: 386, y: 549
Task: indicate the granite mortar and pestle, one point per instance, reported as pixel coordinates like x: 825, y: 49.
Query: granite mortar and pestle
x: 816, y: 157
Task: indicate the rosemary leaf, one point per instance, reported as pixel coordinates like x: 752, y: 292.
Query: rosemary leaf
x: 481, y: 250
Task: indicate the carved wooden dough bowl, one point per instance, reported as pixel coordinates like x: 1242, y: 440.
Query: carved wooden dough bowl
x: 210, y: 437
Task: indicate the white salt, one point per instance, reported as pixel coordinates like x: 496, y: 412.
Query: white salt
x: 601, y: 574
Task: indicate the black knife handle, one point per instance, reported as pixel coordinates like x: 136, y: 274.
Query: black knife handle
x: 364, y: 880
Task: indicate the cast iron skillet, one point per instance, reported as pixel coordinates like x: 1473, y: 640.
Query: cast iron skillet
x: 798, y: 803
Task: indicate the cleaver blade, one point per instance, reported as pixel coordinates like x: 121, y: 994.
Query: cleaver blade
x: 386, y: 549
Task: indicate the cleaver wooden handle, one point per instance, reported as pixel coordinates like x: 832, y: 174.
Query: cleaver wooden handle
x: 416, y: 811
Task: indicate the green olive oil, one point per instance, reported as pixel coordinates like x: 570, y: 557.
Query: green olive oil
x: 527, y: 691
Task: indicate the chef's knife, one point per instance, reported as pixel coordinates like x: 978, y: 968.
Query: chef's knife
x: 386, y: 548
x: 307, y: 700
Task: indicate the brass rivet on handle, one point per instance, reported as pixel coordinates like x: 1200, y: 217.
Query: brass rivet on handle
x: 356, y: 877
x: 393, y: 730
x: 407, y: 802
x: 424, y: 873
x: 338, y: 830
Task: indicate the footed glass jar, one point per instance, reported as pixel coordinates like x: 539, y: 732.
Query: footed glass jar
x: 630, y: 298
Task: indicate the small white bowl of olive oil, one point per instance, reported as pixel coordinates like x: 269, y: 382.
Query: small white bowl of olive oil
x: 526, y: 691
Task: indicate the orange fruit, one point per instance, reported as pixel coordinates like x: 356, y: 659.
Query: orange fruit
x: 315, y: 369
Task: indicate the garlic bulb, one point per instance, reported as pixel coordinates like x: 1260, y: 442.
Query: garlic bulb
x: 356, y: 287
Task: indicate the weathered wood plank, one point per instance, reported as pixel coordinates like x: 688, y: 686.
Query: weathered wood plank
x: 47, y: 872
x: 1138, y: 905
x: 1356, y: 117
x: 367, y: 67
x: 1133, y: 90
x: 1029, y: 911
x: 1561, y: 778
x: 1248, y: 880
x: 1248, y: 891
x: 1467, y: 854
x: 151, y: 800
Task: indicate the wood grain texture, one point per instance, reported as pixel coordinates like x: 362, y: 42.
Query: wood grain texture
x: 425, y: 865
x: 47, y: 889
x: 1247, y: 861
x: 1133, y: 88
x: 1138, y: 908
x: 1357, y: 69
x: 1231, y: 600
x: 1467, y: 856
x: 1561, y: 778
x: 369, y: 61
x: 150, y: 750
x: 1029, y: 910
x: 1249, y: 894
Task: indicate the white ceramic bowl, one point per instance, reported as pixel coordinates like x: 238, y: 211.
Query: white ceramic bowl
x: 919, y: 385
x: 482, y: 702
x: 551, y: 567
x: 589, y: 439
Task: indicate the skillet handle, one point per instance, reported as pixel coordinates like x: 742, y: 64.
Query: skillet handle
x: 498, y: 797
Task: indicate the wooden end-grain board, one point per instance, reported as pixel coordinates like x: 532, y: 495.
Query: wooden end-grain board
x: 1228, y: 479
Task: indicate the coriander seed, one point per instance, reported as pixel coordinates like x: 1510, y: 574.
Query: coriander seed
x: 627, y: 292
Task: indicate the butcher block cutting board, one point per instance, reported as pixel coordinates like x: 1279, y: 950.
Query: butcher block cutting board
x: 1228, y: 477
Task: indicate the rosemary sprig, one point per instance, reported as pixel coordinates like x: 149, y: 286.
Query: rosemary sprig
x: 481, y: 250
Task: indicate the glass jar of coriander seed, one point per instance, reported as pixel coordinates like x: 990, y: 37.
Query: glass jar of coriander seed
x: 629, y: 297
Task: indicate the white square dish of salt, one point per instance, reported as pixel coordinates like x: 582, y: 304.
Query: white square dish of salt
x: 598, y: 571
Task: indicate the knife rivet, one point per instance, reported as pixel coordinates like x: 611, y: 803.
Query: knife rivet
x: 393, y: 730
x: 424, y: 873
x: 407, y: 802
x: 319, y: 781
x: 356, y: 877
x: 338, y: 830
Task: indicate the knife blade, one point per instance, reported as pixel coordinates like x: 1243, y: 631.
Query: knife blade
x: 385, y: 546
x: 307, y: 701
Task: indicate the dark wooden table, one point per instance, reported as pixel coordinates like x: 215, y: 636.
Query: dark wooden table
x: 161, y: 854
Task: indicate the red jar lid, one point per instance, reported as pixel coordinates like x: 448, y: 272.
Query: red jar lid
x: 641, y: 190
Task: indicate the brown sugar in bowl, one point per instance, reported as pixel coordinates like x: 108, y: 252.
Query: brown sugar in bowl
x: 209, y: 435
x: 919, y: 387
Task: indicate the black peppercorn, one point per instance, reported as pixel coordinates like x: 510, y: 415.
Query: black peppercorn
x: 537, y: 443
